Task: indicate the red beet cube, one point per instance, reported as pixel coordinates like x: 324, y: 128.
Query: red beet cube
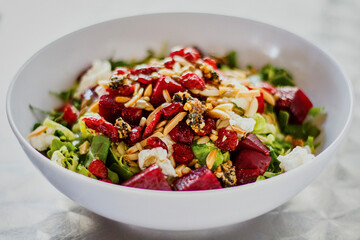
x: 109, y: 108
x: 151, y: 178
x: 294, y: 101
x: 198, y: 179
x: 245, y: 176
x: 164, y: 83
x: 249, y: 159
x: 131, y: 115
x: 182, y: 133
x: 183, y: 153
x: 227, y: 140
x: 192, y: 81
x: 252, y: 142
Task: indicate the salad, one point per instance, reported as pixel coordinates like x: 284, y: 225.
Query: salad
x: 181, y: 122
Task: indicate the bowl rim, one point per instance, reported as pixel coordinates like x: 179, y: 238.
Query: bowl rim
x: 114, y: 187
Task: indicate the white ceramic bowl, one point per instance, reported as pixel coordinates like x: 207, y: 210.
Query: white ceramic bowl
x: 56, y: 66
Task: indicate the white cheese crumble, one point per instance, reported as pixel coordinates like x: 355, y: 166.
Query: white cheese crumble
x: 295, y: 158
x: 158, y: 156
x: 169, y: 143
x: 247, y: 124
x: 99, y: 71
x: 44, y: 140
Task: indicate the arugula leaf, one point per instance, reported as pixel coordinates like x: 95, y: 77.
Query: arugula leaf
x: 120, y: 166
x: 113, y: 176
x: 121, y: 63
x: 99, y: 149
x: 276, y: 76
x: 64, y: 96
x: 231, y: 59
x: 274, y: 165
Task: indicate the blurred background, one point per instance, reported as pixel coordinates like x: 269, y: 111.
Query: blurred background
x: 30, y: 208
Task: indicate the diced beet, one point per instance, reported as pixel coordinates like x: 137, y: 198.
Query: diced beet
x: 109, y: 108
x: 252, y: 142
x: 183, y: 153
x: 245, y: 176
x: 150, y: 128
x: 227, y: 140
x: 209, y: 126
x: 198, y: 179
x: 170, y: 111
x: 98, y: 168
x: 106, y: 180
x: 295, y: 102
x: 192, y: 81
x: 261, y: 103
x: 151, y: 178
x: 169, y: 63
x: 154, y: 142
x: 249, y: 159
x: 71, y: 114
x: 132, y: 115
x: 164, y: 83
x: 182, y: 133
x: 126, y: 90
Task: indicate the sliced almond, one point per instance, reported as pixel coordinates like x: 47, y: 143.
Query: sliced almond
x: 223, y: 124
x: 148, y: 91
x: 138, y: 146
x: 216, y: 113
x: 252, y: 108
x: 84, y: 148
x: 166, y: 72
x: 142, y: 104
x: 213, y: 137
x: 203, y: 140
x: 136, y: 97
x: 186, y: 170
x: 210, y: 159
x: 122, y: 99
x: 268, y: 97
x: 161, y: 124
x: 166, y: 96
x: 238, y: 129
x: 39, y: 130
x: 172, y: 161
x: 250, y: 93
x: 179, y: 169
x: 159, y: 130
x: 131, y: 157
x: 94, y: 107
x: 173, y: 122
x: 210, y: 92
x: 225, y: 107
x: 142, y: 122
x: 121, y: 148
x: 132, y: 149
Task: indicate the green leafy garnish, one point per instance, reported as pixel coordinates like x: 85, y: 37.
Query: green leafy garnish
x: 276, y: 76
x: 65, y: 158
x: 121, y: 63
x: 64, y: 96
x: 57, y: 126
x: 316, y: 111
x: 99, y: 149
x: 118, y: 165
x: 201, y: 151
x: 56, y: 144
x: 231, y: 59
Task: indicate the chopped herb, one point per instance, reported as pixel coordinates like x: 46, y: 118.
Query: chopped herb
x: 64, y: 96
x: 231, y: 59
x: 121, y: 63
x: 276, y: 76
x: 316, y: 111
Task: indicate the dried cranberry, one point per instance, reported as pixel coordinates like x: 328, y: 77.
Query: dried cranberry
x: 150, y: 128
x: 71, y: 114
x: 106, y: 180
x: 182, y: 133
x: 146, y: 70
x: 109, y: 108
x: 227, y: 140
x: 126, y: 90
x: 154, y: 142
x: 101, y: 126
x: 169, y: 63
x: 190, y: 54
x: 171, y: 110
x: 182, y: 153
x: 209, y: 126
x: 211, y: 62
x: 98, y: 168
x: 163, y: 83
x: 132, y: 115
x: 261, y: 103
x: 192, y: 81
x: 121, y: 70
x: 135, y: 135
x: 144, y: 79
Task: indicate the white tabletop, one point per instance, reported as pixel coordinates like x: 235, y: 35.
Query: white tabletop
x: 31, y: 208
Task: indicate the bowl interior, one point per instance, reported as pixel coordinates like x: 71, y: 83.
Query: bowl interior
x: 55, y: 68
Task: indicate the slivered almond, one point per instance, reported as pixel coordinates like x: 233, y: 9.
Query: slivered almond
x: 138, y: 146
x: 203, y: 140
x: 210, y: 92
x: 148, y: 91
x: 39, y: 130
x: 193, y: 162
x: 186, y: 170
x: 238, y: 129
x: 223, y: 124
x: 210, y: 159
x: 213, y: 137
x: 132, y: 163
x: 166, y: 96
x: 146, y: 98
x: 173, y: 122
x: 161, y: 124
x: 142, y: 104
x: 159, y: 130
x: 152, y: 114
x: 250, y: 93
x: 268, y: 97
x: 131, y: 157
x: 135, y: 98
x: 84, y: 148
x: 179, y: 169
x: 172, y: 161
x: 122, y: 99
x: 132, y: 149
x: 216, y: 113
x: 121, y: 148
x: 166, y: 72
x: 252, y: 108
x: 142, y: 122
x: 225, y: 107
x: 137, y: 87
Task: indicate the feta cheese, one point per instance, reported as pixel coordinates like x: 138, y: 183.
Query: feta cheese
x: 158, y: 156
x: 246, y: 124
x: 43, y: 141
x: 169, y: 143
x: 298, y: 156
x: 100, y: 70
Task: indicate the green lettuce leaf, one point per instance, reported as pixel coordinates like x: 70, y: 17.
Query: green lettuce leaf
x: 56, y: 144
x: 201, y: 151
